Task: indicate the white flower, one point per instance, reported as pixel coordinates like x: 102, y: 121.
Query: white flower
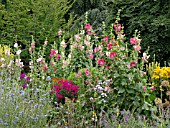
x: 2, y: 59
x: 15, y: 45
x: 39, y: 59
x: 18, y: 52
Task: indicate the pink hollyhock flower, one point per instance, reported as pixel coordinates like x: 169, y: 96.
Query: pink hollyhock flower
x: 91, y: 56
x: 101, y: 62
x: 45, y: 68
x: 109, y: 46
x: 77, y: 37
x: 106, y: 38
x: 137, y: 47
x: 78, y: 74
x: 117, y: 27
x: 133, y: 41
x: 52, y: 52
x: 86, y: 71
x: 88, y: 26
x: 144, y: 88
x: 60, y: 32
x: 112, y: 54
x: 58, y: 57
x: 152, y: 88
x: 132, y: 64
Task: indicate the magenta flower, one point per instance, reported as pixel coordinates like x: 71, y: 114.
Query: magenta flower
x: 132, y: 64
x: 86, y: 71
x: 52, y: 52
x: 105, y: 39
x: 109, y: 46
x: 112, y: 54
x: 22, y: 75
x: 28, y: 79
x: 24, y: 86
x: 88, y: 26
x: 101, y: 62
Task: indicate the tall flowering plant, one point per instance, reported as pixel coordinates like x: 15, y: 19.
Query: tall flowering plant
x: 160, y: 83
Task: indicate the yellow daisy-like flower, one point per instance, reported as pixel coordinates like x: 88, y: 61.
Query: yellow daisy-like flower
x: 155, y: 76
x: 157, y: 71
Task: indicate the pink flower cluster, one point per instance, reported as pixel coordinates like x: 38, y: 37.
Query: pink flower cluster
x: 65, y: 88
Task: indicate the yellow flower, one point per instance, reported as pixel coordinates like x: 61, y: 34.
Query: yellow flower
x: 157, y: 71
x: 155, y: 76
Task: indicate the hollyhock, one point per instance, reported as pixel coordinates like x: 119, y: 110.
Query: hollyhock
x: 112, y: 54
x: 91, y: 56
x: 60, y: 32
x: 88, y: 26
x: 109, y: 46
x: 52, y: 52
x: 18, y: 52
x: 152, y: 88
x: 44, y: 67
x: 117, y: 27
x: 58, y: 57
x: 77, y: 37
x: 145, y: 57
x: 105, y: 39
x: 133, y: 41
x: 132, y: 64
x: 101, y: 62
x: 137, y: 47
x: 39, y: 59
x: 86, y: 71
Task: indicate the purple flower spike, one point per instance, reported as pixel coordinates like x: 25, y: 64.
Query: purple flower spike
x: 24, y: 86
x: 22, y: 75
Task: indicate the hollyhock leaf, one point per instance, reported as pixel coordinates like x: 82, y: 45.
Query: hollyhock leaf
x: 121, y: 90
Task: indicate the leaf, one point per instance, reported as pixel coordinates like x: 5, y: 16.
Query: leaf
x: 121, y: 90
